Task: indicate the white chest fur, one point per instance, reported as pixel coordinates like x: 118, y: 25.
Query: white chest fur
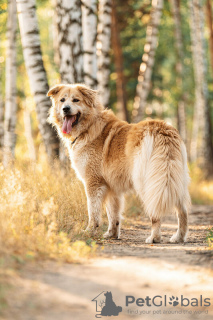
x: 79, y: 160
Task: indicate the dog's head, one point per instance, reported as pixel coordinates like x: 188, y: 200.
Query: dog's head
x: 73, y: 109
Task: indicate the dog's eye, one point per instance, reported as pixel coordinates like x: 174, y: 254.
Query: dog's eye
x: 62, y: 100
x: 75, y: 100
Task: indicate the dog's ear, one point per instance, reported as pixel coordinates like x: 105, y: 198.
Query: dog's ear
x: 90, y: 95
x: 54, y: 90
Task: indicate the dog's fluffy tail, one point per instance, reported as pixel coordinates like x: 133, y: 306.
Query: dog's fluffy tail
x: 165, y: 176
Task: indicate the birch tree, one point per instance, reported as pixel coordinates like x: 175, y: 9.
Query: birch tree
x: 148, y: 59
x: 89, y: 25
x: 55, y: 34
x: 120, y: 79
x: 201, y: 146
x: 180, y: 68
x: 37, y: 75
x: 103, y: 49
x: 70, y: 42
x: 10, y: 83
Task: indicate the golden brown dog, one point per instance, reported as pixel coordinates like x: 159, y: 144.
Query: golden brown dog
x: 112, y: 157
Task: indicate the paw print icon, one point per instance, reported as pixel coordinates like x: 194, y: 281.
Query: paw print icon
x: 173, y: 301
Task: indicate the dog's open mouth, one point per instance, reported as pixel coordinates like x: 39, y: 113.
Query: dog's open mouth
x: 70, y: 122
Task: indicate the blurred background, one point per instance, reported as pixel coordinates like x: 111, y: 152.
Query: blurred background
x: 147, y: 59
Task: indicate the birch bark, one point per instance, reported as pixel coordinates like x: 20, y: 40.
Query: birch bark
x: 37, y: 75
x: 89, y: 25
x: 103, y: 49
x: 10, y: 101
x: 148, y: 59
x: 70, y: 42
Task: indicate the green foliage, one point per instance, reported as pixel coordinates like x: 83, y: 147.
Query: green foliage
x: 165, y: 93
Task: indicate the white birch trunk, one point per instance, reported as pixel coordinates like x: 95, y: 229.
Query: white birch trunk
x: 55, y: 34
x: 103, y: 49
x: 70, y: 44
x: 180, y: 69
x: 201, y: 146
x: 70, y: 40
x: 89, y: 25
x: 148, y: 59
x: 37, y: 76
x: 10, y: 103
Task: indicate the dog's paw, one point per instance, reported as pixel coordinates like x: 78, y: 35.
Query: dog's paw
x: 176, y: 238
x: 110, y: 234
x: 150, y: 239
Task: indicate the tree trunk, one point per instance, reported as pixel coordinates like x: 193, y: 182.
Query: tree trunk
x: 10, y: 103
x: 201, y: 146
x: 89, y: 25
x: 210, y: 24
x: 55, y: 34
x: 70, y: 44
x: 70, y: 40
x: 180, y: 69
x: 38, y: 80
x: 103, y: 50
x: 122, y: 112
x: 148, y: 59
x: 28, y: 134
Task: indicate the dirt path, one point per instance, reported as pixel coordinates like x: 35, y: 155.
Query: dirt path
x: 127, y: 267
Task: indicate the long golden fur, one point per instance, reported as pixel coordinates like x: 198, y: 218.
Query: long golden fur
x: 112, y: 157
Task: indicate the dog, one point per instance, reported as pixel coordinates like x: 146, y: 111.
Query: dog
x: 112, y: 157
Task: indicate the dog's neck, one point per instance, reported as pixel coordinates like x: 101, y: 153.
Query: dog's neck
x: 94, y: 130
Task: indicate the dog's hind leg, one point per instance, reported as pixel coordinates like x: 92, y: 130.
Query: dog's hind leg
x: 95, y: 196
x: 156, y: 231
x: 183, y: 203
x: 114, y: 208
x: 181, y: 234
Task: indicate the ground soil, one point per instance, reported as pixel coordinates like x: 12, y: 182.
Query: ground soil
x: 53, y: 291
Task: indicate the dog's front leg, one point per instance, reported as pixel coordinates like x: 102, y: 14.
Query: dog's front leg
x: 95, y: 197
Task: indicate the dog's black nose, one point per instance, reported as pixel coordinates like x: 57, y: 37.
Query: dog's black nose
x: 66, y: 109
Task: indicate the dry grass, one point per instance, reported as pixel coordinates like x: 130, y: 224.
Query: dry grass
x: 43, y: 211
x: 201, y: 191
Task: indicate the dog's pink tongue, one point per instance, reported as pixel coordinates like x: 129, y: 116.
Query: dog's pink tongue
x: 67, y: 125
